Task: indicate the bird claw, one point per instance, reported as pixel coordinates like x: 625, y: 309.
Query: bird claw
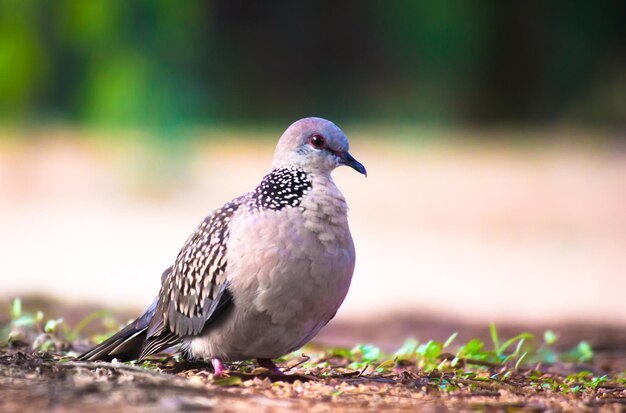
x: 269, y: 364
x: 219, y: 370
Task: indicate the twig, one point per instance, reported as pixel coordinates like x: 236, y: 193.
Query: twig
x: 110, y: 366
x: 304, y: 357
x: 497, y: 386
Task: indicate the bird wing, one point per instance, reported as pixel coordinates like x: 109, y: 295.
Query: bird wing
x: 126, y: 344
x: 195, y: 291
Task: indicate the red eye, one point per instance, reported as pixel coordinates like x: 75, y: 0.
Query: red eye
x: 317, y: 141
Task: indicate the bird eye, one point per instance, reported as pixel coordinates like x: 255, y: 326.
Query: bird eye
x: 317, y: 141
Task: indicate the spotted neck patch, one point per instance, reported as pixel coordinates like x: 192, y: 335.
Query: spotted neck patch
x: 281, y: 188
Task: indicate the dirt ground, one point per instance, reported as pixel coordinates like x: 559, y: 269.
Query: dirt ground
x: 47, y: 382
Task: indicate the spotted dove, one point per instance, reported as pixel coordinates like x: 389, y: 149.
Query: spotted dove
x: 261, y: 275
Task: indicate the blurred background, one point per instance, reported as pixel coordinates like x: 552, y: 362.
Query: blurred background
x: 494, y: 134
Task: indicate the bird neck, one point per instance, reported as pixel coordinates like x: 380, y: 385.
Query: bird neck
x: 325, y: 213
x: 325, y: 194
x: 281, y: 188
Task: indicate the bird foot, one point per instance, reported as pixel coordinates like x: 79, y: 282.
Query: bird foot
x: 269, y: 364
x: 219, y: 370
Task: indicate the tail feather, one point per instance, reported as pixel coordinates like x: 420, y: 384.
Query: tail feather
x: 126, y: 344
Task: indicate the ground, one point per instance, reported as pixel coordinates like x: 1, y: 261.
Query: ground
x: 335, y: 375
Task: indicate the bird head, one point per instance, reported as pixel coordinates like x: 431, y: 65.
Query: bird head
x: 315, y: 145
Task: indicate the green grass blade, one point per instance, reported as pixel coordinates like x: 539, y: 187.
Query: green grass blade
x: 85, y: 321
x: 519, y: 360
x: 494, y: 337
x: 16, y: 309
x: 450, y: 339
x: 506, y: 344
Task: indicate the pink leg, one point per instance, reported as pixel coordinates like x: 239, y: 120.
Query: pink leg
x: 269, y: 364
x: 218, y: 367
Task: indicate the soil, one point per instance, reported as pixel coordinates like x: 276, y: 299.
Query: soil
x: 48, y: 382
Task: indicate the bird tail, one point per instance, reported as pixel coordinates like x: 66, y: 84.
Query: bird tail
x: 126, y: 344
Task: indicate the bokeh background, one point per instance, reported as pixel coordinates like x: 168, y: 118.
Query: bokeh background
x: 494, y: 134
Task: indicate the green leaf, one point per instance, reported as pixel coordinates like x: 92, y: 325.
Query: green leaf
x: 73, y: 334
x: 47, y: 345
x: 430, y: 350
x: 368, y: 352
x: 450, y: 339
x: 357, y: 365
x: 598, y: 380
x: 38, y: 316
x: 549, y: 337
x: 51, y: 325
x: 228, y: 381
x: 25, y: 320
x: 494, y: 336
x: 519, y: 360
x: 16, y: 309
x: 584, y: 350
x: 473, y: 349
x: 407, y: 351
x: 523, y: 336
x: 385, y: 365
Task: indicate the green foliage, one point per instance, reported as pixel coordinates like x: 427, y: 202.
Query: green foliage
x: 447, y: 367
x: 147, y: 63
x: 550, y: 337
x: 228, y: 381
x: 51, y: 334
x: 581, y: 353
x: 16, y: 309
x: 476, y: 360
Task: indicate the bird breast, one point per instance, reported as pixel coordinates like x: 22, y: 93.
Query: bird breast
x: 303, y: 259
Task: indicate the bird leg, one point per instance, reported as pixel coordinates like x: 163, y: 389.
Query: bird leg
x: 218, y: 367
x: 269, y: 364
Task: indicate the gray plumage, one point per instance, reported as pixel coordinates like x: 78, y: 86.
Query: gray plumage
x: 262, y: 274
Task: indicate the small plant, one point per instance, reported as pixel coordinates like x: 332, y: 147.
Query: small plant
x: 440, y: 366
x: 474, y: 360
x: 30, y: 329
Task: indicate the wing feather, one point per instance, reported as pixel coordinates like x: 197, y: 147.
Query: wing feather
x: 195, y: 291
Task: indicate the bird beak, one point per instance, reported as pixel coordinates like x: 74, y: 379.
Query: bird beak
x: 349, y: 160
